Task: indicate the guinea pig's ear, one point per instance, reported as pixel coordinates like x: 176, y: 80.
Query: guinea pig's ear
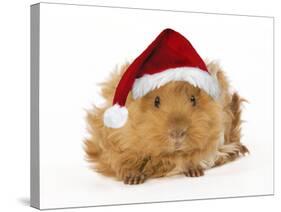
x: 213, y: 67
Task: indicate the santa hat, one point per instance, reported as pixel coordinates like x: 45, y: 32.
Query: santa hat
x: 170, y: 57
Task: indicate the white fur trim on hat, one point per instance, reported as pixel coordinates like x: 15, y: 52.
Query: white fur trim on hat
x: 194, y: 76
x: 115, y: 116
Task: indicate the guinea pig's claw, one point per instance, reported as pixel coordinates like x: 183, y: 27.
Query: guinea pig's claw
x: 194, y: 172
x: 134, y: 179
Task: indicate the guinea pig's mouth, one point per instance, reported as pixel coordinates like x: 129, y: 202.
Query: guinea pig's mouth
x: 178, y: 145
x: 176, y: 137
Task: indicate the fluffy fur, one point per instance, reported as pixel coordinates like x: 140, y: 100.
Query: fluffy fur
x: 179, y: 135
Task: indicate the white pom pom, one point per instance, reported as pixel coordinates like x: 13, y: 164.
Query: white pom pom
x: 115, y: 116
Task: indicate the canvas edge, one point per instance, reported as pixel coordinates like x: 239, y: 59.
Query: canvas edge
x: 34, y: 106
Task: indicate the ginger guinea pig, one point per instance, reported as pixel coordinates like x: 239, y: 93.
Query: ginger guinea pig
x: 177, y: 126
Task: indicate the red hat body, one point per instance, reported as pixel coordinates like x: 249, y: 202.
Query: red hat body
x: 169, y: 50
x: 170, y: 57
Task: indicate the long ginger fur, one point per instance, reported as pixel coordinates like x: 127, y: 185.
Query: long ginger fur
x: 145, y: 147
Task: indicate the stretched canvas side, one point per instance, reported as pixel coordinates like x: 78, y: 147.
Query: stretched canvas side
x: 34, y: 106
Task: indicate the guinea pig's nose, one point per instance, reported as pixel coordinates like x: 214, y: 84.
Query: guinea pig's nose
x: 177, y: 133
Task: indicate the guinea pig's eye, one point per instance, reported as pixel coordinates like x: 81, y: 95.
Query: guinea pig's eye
x: 157, y: 101
x: 193, y: 100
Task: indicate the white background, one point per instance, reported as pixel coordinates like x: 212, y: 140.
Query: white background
x: 77, y: 51
x: 15, y: 108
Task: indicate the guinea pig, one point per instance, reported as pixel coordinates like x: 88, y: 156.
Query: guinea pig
x: 175, y: 129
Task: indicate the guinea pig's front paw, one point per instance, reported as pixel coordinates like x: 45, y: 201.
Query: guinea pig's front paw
x: 194, y: 172
x: 134, y: 178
